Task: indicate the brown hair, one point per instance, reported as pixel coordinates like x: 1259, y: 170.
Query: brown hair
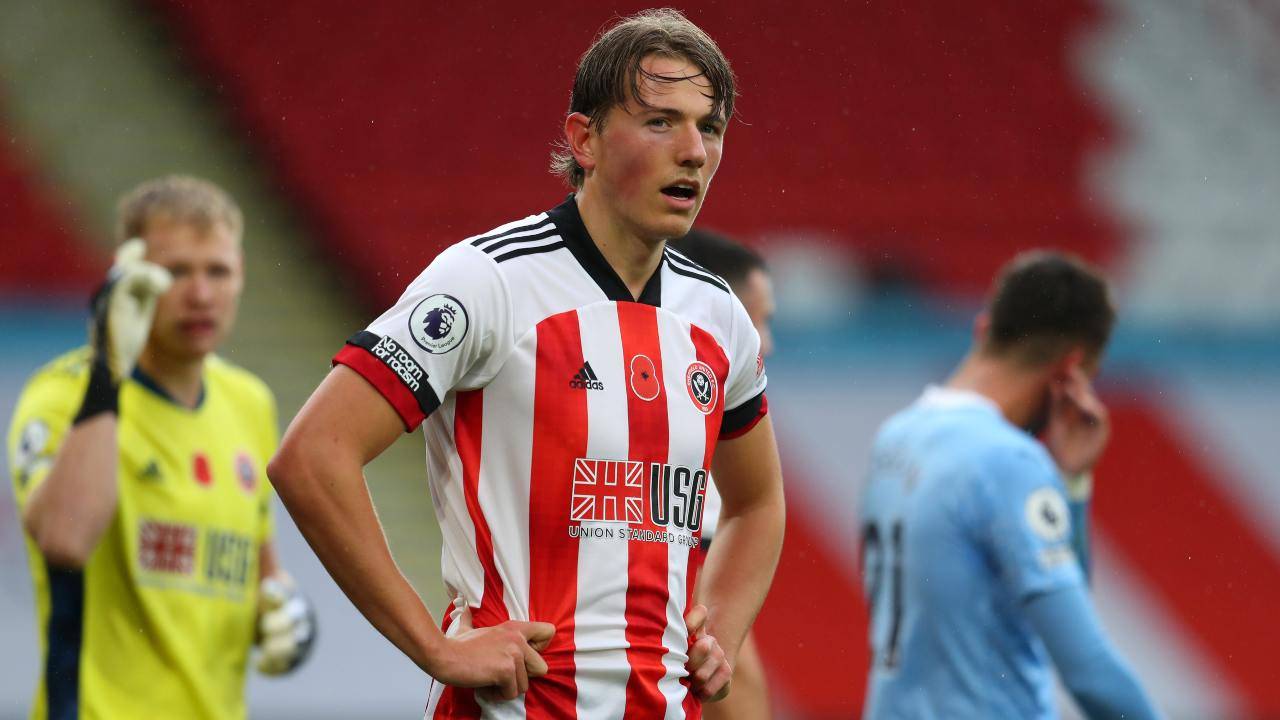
x: 1044, y: 303
x: 609, y: 73
x: 177, y: 198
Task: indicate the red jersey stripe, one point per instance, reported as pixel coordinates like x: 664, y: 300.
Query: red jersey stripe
x: 709, y: 352
x: 647, y: 589
x: 385, y: 381
x: 468, y: 426
x: 559, y: 439
x: 468, y: 421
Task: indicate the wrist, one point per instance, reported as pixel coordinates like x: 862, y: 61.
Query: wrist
x: 434, y: 652
x: 102, y: 395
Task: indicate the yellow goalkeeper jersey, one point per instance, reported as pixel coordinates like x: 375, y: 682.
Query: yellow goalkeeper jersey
x: 160, y: 620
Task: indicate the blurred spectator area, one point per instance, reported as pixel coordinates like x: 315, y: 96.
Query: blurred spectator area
x: 43, y: 252
x: 933, y: 140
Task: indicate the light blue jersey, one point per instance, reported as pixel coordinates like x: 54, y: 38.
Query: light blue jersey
x: 964, y: 521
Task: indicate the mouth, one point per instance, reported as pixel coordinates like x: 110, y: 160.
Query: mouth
x: 682, y: 191
x: 198, y: 327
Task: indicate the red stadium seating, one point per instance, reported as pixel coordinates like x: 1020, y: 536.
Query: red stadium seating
x: 935, y: 140
x: 43, y: 253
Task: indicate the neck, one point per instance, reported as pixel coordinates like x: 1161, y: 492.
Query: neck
x: 634, y: 258
x: 1018, y: 391
x: 182, y: 379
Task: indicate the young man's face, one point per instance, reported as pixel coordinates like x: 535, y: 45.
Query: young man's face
x: 196, y: 314
x: 653, y: 164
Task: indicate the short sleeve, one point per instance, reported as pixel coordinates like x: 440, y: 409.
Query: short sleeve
x: 1028, y: 525
x: 745, y: 402
x: 39, y: 424
x: 450, y: 329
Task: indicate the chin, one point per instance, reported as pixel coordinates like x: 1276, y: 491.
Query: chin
x: 672, y: 228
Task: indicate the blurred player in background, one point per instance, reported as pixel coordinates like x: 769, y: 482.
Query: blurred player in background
x: 574, y: 380
x: 748, y: 276
x: 970, y: 575
x: 139, y: 469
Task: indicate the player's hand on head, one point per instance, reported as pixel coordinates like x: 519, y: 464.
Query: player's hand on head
x: 497, y: 660
x: 124, y: 307
x: 1079, y: 425
x: 286, y: 626
x: 710, y: 672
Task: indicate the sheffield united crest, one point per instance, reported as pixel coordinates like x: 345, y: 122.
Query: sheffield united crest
x: 703, y: 389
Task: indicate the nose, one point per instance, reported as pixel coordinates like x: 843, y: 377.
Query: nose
x: 691, y: 151
x: 199, y: 289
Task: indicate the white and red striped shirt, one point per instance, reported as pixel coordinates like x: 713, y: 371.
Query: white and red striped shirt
x: 569, y: 431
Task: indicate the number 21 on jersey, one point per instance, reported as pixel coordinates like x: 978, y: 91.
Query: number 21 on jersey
x: 882, y: 583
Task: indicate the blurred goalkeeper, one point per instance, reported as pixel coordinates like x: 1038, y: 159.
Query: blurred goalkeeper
x: 138, y: 466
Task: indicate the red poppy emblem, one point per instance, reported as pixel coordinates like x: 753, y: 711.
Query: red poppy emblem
x: 201, y: 471
x: 644, y: 378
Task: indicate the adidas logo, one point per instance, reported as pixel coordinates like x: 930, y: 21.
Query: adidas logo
x: 586, y: 379
x: 151, y: 472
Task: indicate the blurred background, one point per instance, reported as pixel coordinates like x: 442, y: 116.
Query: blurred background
x: 887, y: 158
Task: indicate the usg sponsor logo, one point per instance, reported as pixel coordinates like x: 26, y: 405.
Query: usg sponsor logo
x: 631, y: 492
x: 401, y: 362
x: 438, y: 324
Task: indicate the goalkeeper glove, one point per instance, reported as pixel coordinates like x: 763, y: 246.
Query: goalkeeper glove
x: 286, y: 626
x: 123, y: 309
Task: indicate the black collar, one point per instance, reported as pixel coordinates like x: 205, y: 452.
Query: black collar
x: 150, y: 383
x: 569, y: 223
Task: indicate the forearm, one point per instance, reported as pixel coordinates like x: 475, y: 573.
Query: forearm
x: 1090, y: 668
x: 67, y: 513
x: 739, y: 569
x: 330, y: 504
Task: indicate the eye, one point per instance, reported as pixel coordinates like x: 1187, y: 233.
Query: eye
x: 712, y: 129
x: 659, y: 122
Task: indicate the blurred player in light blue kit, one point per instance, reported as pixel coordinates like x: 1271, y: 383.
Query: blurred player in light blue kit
x: 967, y: 554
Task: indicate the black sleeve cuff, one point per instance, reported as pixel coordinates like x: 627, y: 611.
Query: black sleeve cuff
x: 744, y: 417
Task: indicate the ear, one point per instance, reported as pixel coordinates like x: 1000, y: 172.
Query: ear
x: 981, y: 328
x: 578, y: 133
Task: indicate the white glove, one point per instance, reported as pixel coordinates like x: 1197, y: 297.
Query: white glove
x: 124, y: 308
x: 286, y: 626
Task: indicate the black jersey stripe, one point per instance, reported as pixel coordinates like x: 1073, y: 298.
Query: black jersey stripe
x: 524, y: 239
x: 536, y: 224
x: 679, y: 258
x: 684, y: 266
x: 63, y: 640
x: 521, y: 252
x: 710, y: 280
